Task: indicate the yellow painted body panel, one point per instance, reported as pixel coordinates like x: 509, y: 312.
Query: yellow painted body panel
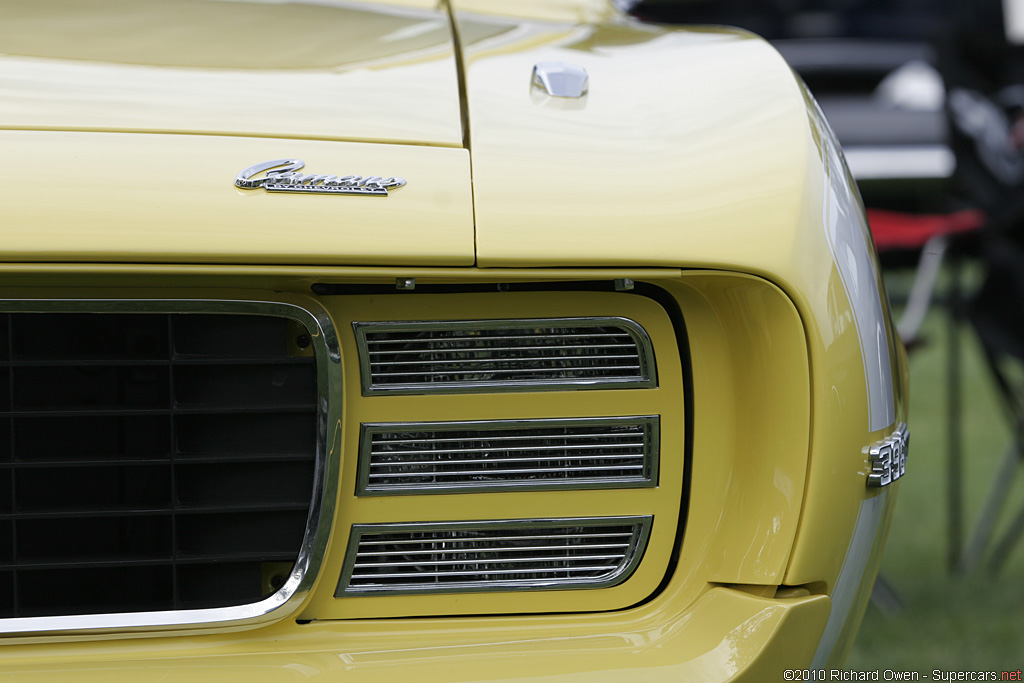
x: 727, y: 635
x: 567, y: 11
x: 702, y: 161
x: 314, y: 71
x: 751, y: 421
x: 126, y: 202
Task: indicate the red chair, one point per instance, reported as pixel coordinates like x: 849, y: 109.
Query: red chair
x: 930, y: 234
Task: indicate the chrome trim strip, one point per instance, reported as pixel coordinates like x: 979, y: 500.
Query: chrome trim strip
x: 870, y: 522
x: 647, y: 376
x: 849, y: 238
x: 631, y: 558
x: 322, y: 501
x: 645, y: 478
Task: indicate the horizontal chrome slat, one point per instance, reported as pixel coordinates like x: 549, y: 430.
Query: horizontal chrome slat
x: 462, y: 361
x: 531, y: 549
x: 542, y: 347
x: 436, y: 457
x: 485, y: 539
x: 491, y: 437
x: 500, y: 371
x: 483, y: 355
x: 503, y: 560
x: 483, y: 563
x: 475, y: 337
x: 485, y: 461
x: 562, y: 447
x: 469, y: 473
x: 478, y: 573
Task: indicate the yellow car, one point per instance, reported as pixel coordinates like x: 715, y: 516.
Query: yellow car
x: 429, y: 340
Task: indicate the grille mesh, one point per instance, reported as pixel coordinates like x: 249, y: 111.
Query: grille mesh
x: 150, y: 461
x: 507, y: 354
x: 434, y: 457
x: 482, y: 556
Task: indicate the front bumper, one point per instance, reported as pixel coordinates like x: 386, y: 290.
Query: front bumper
x: 727, y: 635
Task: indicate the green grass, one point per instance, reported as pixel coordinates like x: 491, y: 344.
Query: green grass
x: 948, y: 621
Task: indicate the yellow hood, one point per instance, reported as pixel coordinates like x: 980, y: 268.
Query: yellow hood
x: 130, y: 120
x: 315, y: 71
x: 691, y: 148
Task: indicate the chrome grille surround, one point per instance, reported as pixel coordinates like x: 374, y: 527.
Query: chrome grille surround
x: 320, y: 515
x: 535, y: 354
x: 499, y: 455
x: 484, y: 556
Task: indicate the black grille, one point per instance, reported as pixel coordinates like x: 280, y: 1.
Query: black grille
x: 150, y: 461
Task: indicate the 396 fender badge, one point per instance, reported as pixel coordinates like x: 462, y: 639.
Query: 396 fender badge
x: 282, y: 175
x: 888, y: 457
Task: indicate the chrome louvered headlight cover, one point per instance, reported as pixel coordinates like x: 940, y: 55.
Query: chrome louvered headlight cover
x: 416, y: 357
x: 503, y: 555
x: 440, y: 457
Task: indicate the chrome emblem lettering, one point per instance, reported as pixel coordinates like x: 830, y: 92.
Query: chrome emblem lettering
x: 282, y: 175
x: 889, y: 457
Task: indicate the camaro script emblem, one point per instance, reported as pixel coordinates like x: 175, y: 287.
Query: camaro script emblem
x: 282, y: 175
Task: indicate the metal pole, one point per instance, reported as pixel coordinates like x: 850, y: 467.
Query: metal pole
x: 997, y: 494
x: 953, y: 421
